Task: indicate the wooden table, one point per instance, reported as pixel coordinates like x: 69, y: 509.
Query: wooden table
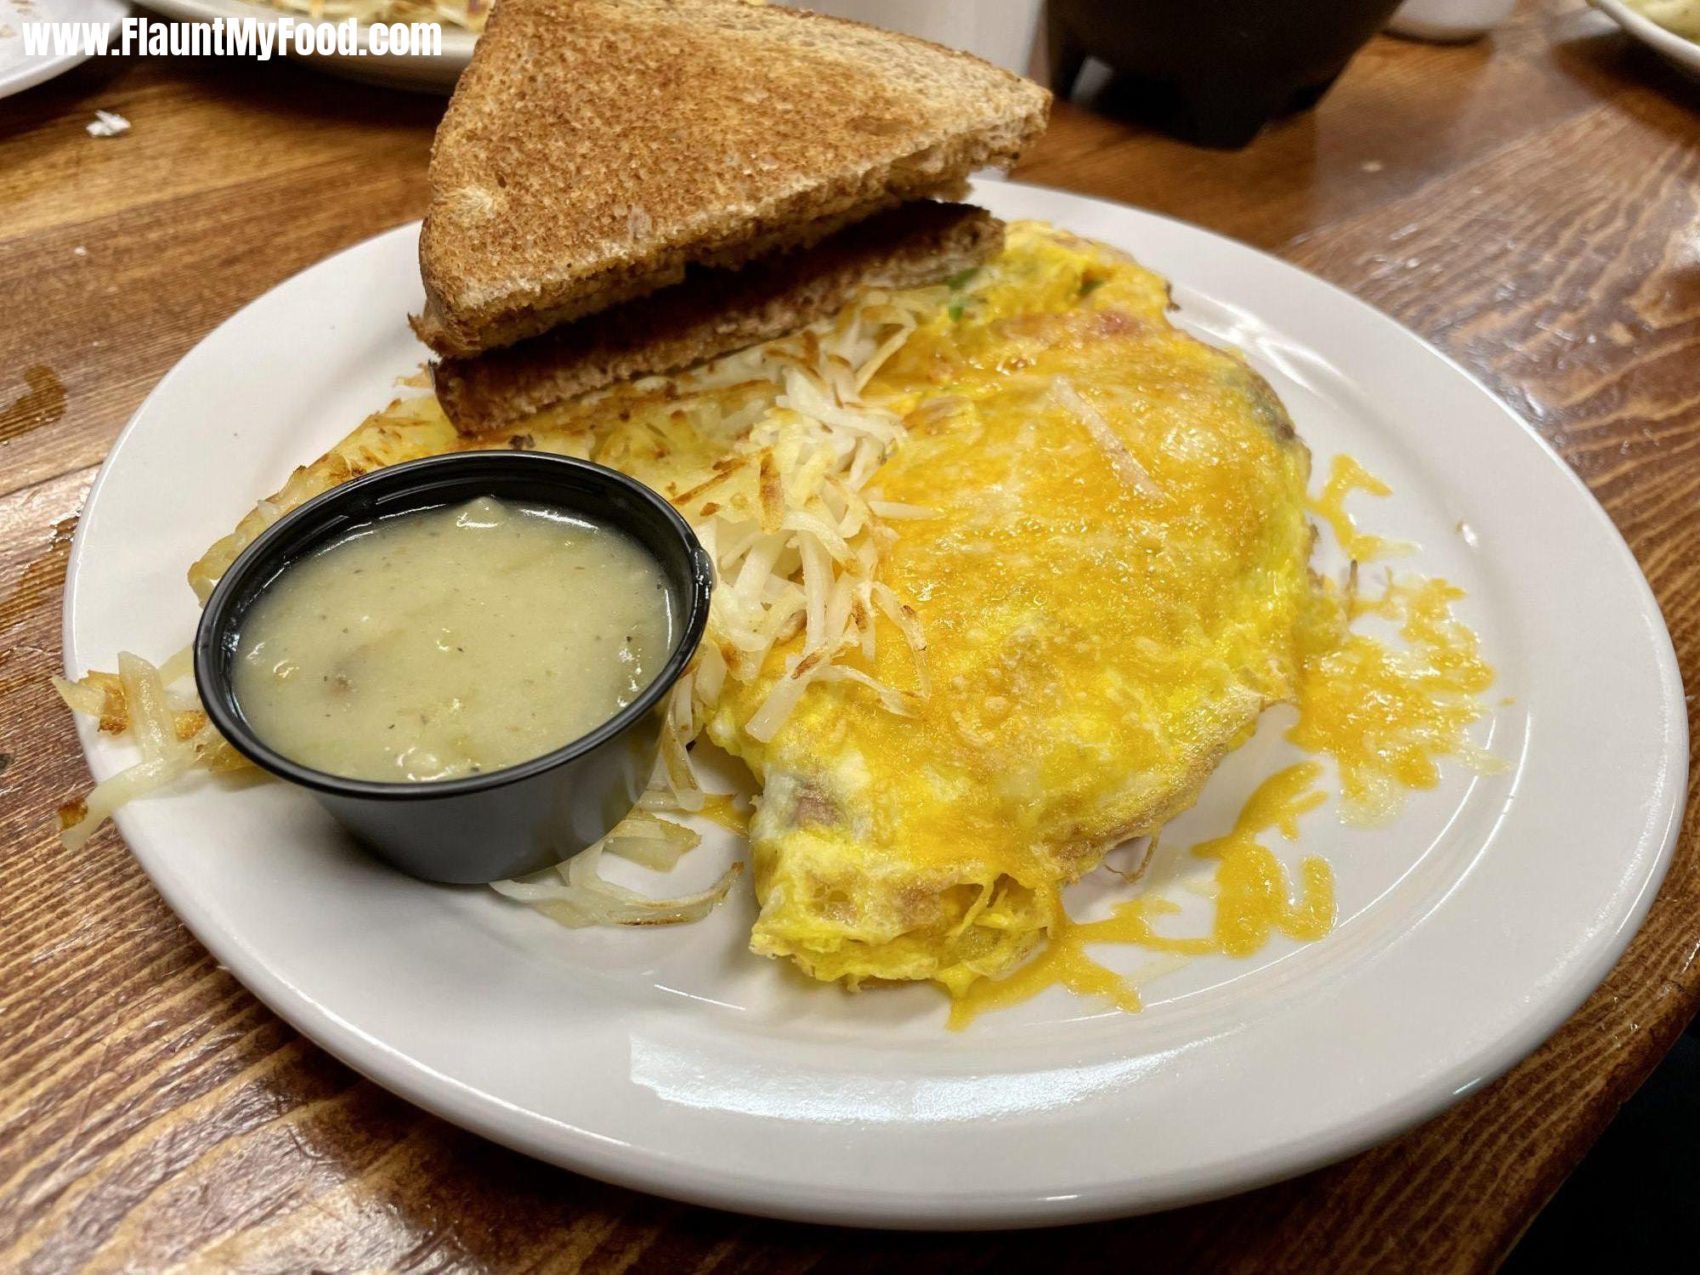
x: 1529, y: 204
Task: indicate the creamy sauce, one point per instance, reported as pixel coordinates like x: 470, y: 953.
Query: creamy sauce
x: 449, y: 642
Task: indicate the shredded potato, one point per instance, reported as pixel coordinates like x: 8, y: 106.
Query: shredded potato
x: 138, y: 702
x: 796, y: 537
x: 168, y: 727
x: 1122, y: 461
x: 575, y: 893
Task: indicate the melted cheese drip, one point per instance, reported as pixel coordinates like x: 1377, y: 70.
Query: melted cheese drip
x: 1253, y: 898
x: 1385, y: 713
x: 1345, y: 476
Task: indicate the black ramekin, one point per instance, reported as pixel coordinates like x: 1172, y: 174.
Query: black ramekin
x: 508, y: 822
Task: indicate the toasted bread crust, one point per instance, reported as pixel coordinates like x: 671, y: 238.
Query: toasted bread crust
x: 595, y: 148
x: 714, y: 312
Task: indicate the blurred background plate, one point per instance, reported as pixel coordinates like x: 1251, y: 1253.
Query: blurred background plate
x: 1001, y: 31
x: 1680, y: 52
x: 18, y: 70
x: 421, y: 74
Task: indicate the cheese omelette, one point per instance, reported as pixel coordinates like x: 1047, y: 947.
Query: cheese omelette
x: 1109, y: 592
x: 1065, y: 579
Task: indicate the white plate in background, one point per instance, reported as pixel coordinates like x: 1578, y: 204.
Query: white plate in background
x: 676, y: 1062
x: 1675, y: 49
x: 19, y: 70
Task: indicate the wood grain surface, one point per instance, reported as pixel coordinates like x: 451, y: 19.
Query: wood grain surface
x: 1528, y: 203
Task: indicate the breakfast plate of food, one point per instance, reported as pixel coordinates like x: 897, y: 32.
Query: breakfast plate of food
x: 743, y: 662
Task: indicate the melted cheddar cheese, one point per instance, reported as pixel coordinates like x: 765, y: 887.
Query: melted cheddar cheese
x: 1384, y: 712
x: 1109, y: 576
x: 1253, y: 897
x: 1345, y: 476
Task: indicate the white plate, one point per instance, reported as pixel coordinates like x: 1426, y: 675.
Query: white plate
x: 425, y: 74
x: 20, y: 70
x: 676, y: 1062
x: 1675, y: 49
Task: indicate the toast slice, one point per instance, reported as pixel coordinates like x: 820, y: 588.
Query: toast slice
x: 714, y: 312
x: 596, y: 148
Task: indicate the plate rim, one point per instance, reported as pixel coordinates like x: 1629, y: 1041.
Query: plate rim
x: 648, y: 1170
x: 40, y: 70
x: 1678, y: 49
